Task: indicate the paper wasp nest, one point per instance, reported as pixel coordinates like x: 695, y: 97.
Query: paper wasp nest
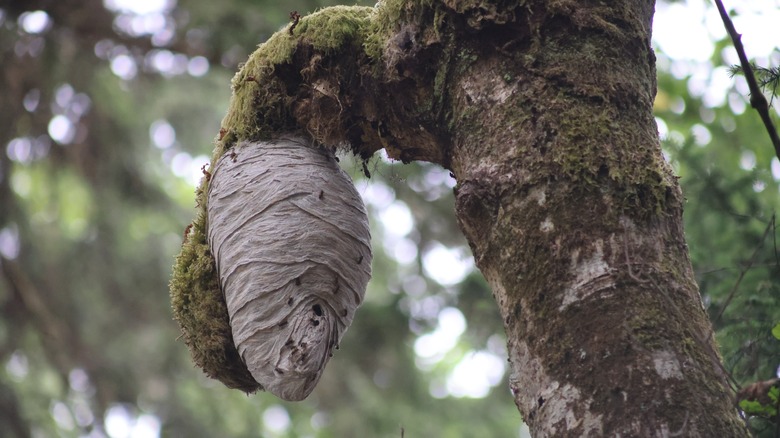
x: 290, y: 238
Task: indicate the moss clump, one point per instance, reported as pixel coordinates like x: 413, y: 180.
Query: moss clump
x: 261, y: 104
x: 200, y: 310
x: 387, y: 16
x: 259, y: 108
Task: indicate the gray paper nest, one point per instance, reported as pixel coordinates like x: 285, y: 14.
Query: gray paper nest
x: 291, y: 245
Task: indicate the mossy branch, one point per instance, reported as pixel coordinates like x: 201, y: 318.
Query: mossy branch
x: 261, y: 107
x: 328, y: 78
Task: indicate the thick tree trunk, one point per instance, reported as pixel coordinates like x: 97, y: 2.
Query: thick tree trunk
x: 543, y: 112
x: 575, y: 220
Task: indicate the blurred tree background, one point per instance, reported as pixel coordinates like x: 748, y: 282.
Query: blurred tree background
x: 107, y: 112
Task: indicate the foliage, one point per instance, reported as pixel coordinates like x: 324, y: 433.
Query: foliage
x: 768, y: 77
x: 762, y: 406
x: 760, y: 402
x: 109, y: 124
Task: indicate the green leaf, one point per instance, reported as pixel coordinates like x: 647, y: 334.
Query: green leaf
x: 776, y: 331
x: 765, y: 407
x: 754, y: 407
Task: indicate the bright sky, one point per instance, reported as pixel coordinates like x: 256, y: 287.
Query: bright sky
x: 683, y: 31
x: 686, y: 30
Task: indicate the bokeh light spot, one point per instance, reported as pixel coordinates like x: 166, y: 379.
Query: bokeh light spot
x: 447, y: 266
x: 61, y: 129
x: 34, y: 22
x: 198, y: 66
x: 276, y: 419
x: 124, y: 66
x: 162, y: 134
x: 476, y: 374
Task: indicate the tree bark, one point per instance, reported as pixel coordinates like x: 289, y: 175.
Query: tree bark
x: 543, y: 112
x: 575, y: 220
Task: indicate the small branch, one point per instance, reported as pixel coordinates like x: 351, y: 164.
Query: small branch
x: 757, y: 99
x: 744, y: 271
x: 295, y: 17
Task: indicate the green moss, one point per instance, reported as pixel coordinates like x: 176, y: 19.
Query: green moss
x: 260, y: 105
x: 385, y: 21
x: 466, y: 58
x: 644, y: 327
x: 200, y: 310
x: 642, y: 187
x: 442, y: 78
x: 331, y: 28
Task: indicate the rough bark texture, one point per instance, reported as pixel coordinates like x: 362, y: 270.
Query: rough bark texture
x: 575, y: 220
x: 543, y: 112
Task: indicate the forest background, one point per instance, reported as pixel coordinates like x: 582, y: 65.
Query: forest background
x: 108, y: 110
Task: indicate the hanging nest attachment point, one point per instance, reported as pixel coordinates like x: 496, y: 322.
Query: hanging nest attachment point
x: 271, y: 274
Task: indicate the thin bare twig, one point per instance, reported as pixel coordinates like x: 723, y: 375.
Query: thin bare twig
x: 744, y: 271
x: 757, y: 99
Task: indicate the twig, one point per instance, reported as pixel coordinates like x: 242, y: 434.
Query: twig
x: 295, y: 17
x: 742, y: 273
x: 757, y: 99
x: 774, y: 240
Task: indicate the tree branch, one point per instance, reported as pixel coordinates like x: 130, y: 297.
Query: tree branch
x: 742, y: 273
x: 757, y: 99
